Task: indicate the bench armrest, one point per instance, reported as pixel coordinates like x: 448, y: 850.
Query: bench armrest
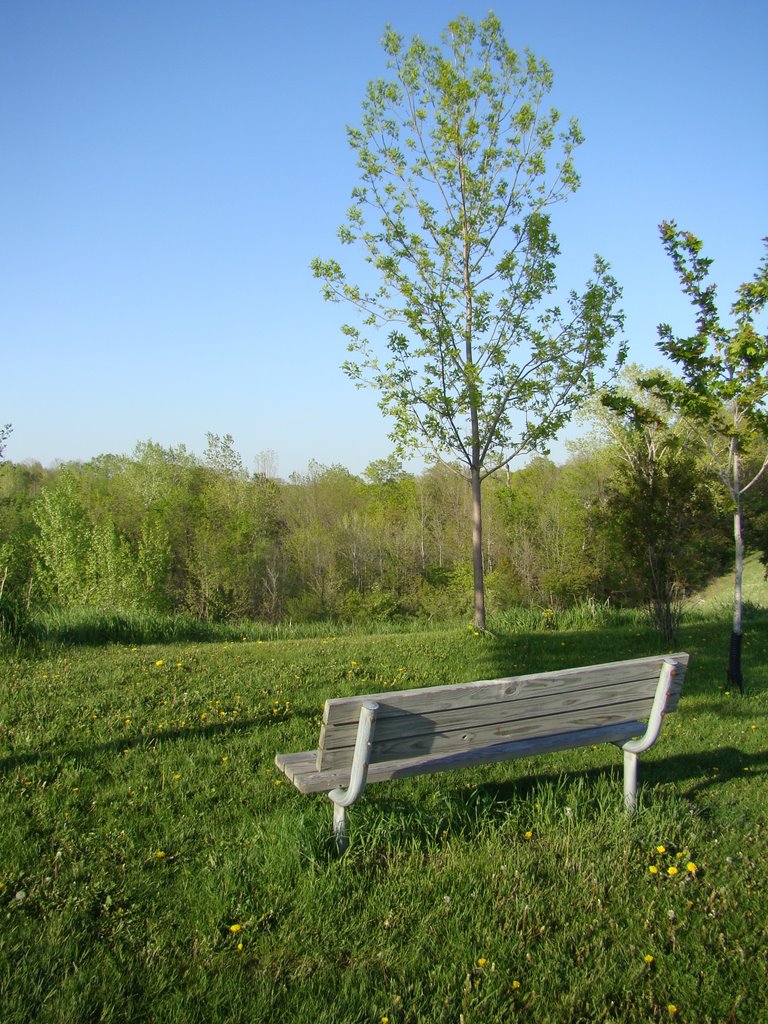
x: 360, y: 759
x: 658, y: 708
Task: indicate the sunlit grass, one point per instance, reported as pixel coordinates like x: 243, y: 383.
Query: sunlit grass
x: 154, y: 865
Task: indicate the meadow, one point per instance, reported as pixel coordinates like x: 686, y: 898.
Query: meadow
x: 155, y: 866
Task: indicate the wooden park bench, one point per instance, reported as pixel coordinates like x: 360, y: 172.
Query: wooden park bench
x: 383, y: 736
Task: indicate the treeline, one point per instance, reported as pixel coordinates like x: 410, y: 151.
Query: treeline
x: 632, y: 517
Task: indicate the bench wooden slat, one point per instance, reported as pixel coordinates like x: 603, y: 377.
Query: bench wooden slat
x: 442, y: 720
x: 302, y: 772
x: 473, y: 735
x: 468, y: 694
x: 395, y: 723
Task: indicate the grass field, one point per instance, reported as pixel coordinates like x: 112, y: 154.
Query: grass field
x: 155, y: 866
x: 718, y: 596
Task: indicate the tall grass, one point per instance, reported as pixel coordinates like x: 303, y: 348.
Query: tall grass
x: 154, y: 865
x: 94, y: 626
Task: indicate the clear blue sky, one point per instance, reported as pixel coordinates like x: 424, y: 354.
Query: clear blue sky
x: 169, y: 169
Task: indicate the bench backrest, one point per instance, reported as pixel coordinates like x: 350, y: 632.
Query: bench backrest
x: 468, y: 716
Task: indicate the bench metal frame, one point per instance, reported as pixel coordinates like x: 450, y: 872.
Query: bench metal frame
x: 331, y: 769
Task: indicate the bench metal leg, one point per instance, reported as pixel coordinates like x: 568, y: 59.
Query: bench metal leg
x: 341, y: 798
x: 630, y: 781
x: 340, y: 828
x: 634, y: 747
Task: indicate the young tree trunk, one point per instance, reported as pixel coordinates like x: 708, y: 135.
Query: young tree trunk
x: 477, y: 547
x: 735, y: 677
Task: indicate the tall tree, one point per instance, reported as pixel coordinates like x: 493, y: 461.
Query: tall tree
x: 459, y: 162
x: 723, y: 388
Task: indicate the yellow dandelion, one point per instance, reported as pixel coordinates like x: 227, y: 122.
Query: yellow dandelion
x: 648, y: 958
x: 671, y: 1009
x: 159, y: 662
x: 176, y: 777
x: 515, y: 983
x: 679, y: 854
x: 661, y: 849
x: 235, y: 928
x: 240, y: 947
x: 160, y: 854
x: 482, y: 962
x: 672, y: 870
x: 529, y: 835
x: 690, y: 866
x: 384, y: 1020
x: 653, y: 869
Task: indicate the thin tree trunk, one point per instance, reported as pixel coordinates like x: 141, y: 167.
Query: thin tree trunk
x: 477, y: 548
x: 735, y: 677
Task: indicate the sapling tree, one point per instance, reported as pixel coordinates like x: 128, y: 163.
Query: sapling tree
x: 460, y: 161
x: 661, y: 502
x: 723, y: 388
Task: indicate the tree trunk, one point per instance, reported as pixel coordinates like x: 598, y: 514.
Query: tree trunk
x: 477, y: 547
x: 735, y: 677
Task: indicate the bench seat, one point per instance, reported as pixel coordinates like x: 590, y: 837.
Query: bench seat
x: 301, y: 769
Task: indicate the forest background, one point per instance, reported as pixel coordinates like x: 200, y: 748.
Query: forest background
x: 167, y: 531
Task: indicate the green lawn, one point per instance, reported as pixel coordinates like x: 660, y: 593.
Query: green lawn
x: 719, y: 593
x: 155, y: 866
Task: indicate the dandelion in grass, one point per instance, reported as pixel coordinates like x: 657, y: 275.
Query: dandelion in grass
x: 671, y: 1009
x: 235, y: 928
x: 159, y: 662
x: 529, y: 835
x: 648, y: 959
x: 691, y: 867
x: 160, y: 854
x: 240, y: 947
x: 482, y: 962
x: 672, y: 870
x: 661, y: 849
x: 515, y: 984
x: 653, y: 869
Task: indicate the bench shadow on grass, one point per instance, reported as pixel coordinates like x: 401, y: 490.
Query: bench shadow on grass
x: 462, y: 805
x: 702, y: 770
